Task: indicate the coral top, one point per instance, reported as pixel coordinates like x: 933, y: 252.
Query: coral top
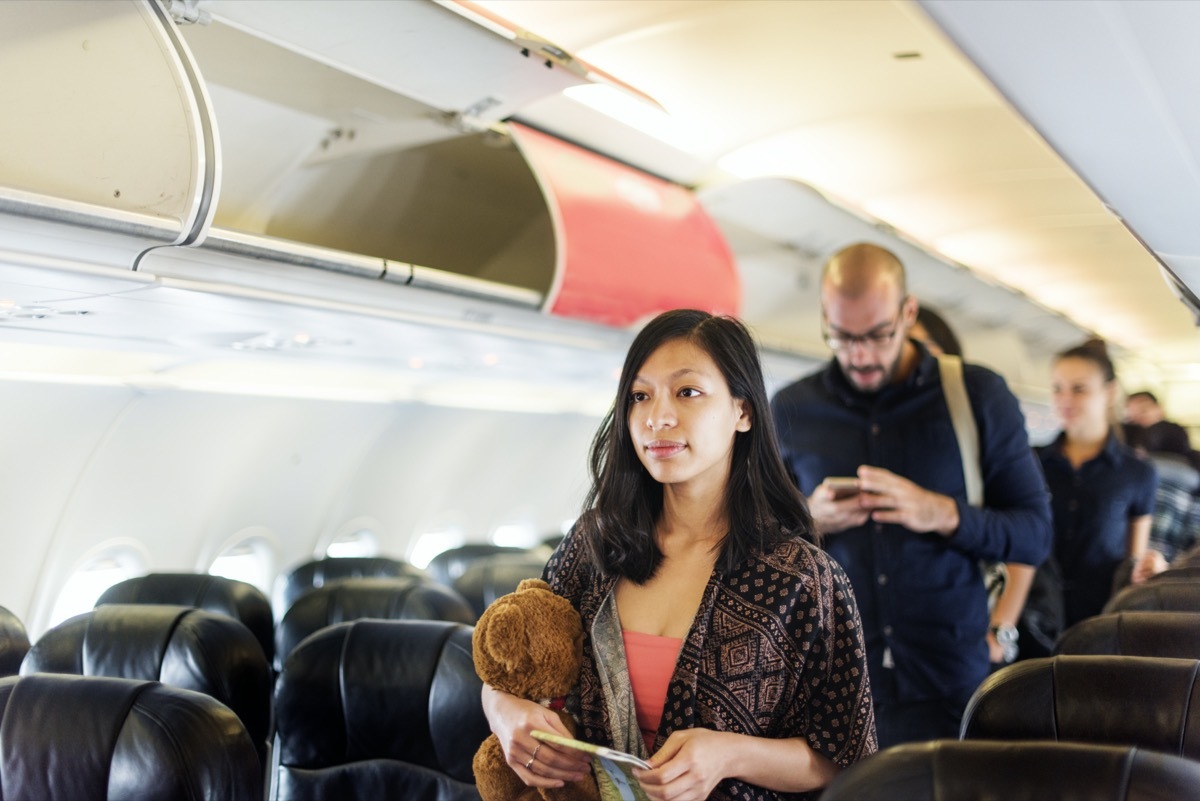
x: 651, y: 660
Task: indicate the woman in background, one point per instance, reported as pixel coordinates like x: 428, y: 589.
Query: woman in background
x: 718, y: 641
x: 1102, y: 492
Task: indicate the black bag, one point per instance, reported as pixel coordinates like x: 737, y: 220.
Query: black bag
x: 1042, y: 618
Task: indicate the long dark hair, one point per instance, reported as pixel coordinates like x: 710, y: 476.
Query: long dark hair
x: 625, y: 501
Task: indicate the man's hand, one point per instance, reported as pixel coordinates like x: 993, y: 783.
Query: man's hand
x: 831, y: 515
x: 889, y: 498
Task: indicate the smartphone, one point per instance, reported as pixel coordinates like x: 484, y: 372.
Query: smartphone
x: 843, y: 486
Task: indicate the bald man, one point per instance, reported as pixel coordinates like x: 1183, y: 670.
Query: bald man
x: 901, y: 526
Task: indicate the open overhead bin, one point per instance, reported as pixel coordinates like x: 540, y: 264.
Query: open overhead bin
x: 342, y: 136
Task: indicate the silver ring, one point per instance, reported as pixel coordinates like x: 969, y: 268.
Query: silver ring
x: 536, y: 748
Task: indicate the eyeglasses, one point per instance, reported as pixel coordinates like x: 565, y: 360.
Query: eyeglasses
x: 875, y: 340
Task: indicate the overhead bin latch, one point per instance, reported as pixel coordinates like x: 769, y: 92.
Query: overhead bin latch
x: 187, y: 12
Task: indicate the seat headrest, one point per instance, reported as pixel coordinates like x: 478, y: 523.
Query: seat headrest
x: 450, y: 564
x: 225, y: 596
x: 974, y: 770
x: 1169, y: 634
x: 320, y: 572
x: 14, y: 643
x: 178, y: 645
x: 1163, y: 595
x: 352, y: 599
x: 488, y: 578
x: 1114, y: 700
x: 343, y: 693
x: 121, y: 739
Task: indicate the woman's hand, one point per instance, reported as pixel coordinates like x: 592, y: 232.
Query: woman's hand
x: 693, y: 761
x: 688, y: 766
x: 536, y: 763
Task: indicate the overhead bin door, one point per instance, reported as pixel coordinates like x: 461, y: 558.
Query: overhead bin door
x: 628, y: 244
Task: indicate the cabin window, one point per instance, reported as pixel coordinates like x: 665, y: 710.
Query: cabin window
x: 250, y: 560
x: 361, y: 542
x: 431, y: 543
x: 87, y: 583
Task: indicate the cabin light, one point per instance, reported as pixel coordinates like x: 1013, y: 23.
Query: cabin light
x: 638, y: 114
x: 11, y: 310
x: 273, y: 341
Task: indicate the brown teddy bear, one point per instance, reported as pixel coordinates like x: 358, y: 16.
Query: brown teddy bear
x: 528, y: 643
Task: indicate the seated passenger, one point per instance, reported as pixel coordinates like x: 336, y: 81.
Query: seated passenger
x: 719, y: 643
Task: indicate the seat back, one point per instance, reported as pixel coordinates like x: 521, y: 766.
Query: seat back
x: 1158, y: 595
x: 488, y: 578
x: 452, y: 563
x: 14, y: 643
x: 65, y: 738
x: 1181, y: 573
x: 177, y: 645
x: 1115, y: 700
x: 352, y: 599
x: 974, y: 770
x: 1170, y: 634
x: 237, y: 599
x: 319, y: 572
x: 379, y: 709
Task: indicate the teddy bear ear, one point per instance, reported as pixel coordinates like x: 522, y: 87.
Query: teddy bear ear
x: 505, y: 639
x: 532, y: 584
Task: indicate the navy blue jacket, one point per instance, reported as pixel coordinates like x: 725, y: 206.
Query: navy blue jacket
x: 921, y: 596
x: 1092, y: 507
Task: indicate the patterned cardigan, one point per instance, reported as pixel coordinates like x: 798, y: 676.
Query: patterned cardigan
x: 776, y: 650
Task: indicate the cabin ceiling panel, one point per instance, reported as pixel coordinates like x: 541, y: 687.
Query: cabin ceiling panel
x: 1109, y: 85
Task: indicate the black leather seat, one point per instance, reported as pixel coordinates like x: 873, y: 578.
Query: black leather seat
x: 318, y: 573
x: 450, y: 564
x: 180, y: 646
x: 488, y: 578
x: 1170, y: 634
x: 1180, y: 573
x: 237, y: 599
x: 352, y: 599
x: 1158, y: 595
x: 379, y: 709
x: 68, y: 738
x: 1115, y: 700
x: 975, y: 770
x: 14, y: 643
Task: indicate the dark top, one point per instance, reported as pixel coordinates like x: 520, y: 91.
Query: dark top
x: 1092, y: 509
x: 1161, y: 437
x: 921, y: 596
x: 775, y: 650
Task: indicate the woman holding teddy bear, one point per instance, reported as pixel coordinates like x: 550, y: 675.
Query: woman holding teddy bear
x: 718, y: 642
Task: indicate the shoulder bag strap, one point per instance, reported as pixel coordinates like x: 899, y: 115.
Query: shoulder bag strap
x: 963, y: 420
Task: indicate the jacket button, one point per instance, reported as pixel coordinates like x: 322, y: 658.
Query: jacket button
x: 882, y: 578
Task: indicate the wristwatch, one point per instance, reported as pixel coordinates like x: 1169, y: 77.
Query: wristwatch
x: 1006, y: 636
